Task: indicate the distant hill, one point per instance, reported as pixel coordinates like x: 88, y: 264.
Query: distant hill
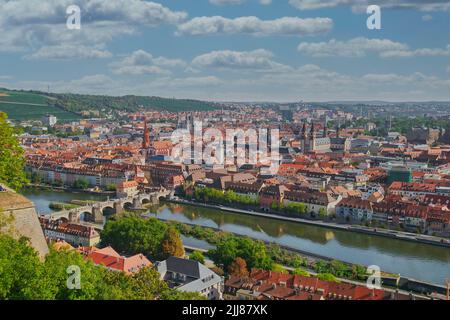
x: 33, y: 104
x: 23, y: 105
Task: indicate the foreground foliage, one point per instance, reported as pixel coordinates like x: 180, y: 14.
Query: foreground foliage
x: 24, y: 276
x: 12, y: 159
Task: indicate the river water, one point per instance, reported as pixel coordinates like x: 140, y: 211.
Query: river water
x: 410, y: 259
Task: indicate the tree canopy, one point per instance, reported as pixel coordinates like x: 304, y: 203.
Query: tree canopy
x: 142, y: 235
x: 24, y: 276
x: 197, y: 256
x: 253, y: 252
x: 12, y: 160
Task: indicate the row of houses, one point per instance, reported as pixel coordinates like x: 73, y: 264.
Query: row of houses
x: 268, y: 196
x: 270, y: 285
x: 425, y: 212
x: 100, y: 176
x: 395, y: 211
x: 74, y: 234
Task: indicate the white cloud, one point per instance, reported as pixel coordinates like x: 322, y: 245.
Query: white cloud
x: 427, y: 17
x: 361, y: 5
x: 255, y: 26
x: 68, y: 52
x: 356, y: 47
x: 141, y: 62
x: 135, y: 12
x: 421, y: 52
x: 360, y: 47
x: 308, y: 82
x: 32, y: 25
x: 237, y: 2
x: 257, y: 60
x: 192, y: 82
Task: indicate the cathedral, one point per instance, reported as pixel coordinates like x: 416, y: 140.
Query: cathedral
x: 309, y: 142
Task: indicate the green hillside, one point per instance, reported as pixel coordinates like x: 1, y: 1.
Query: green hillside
x: 26, y: 105
x: 21, y: 105
x: 80, y: 102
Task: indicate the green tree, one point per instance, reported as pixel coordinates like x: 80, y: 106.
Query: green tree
x: 111, y: 187
x: 253, y: 252
x: 322, y: 213
x: 197, y: 256
x: 142, y: 235
x: 12, y: 160
x: 327, y: 277
x: 24, y: 276
x: 20, y: 271
x: 172, y: 245
x: 147, y: 284
x: 81, y: 183
x: 56, y: 274
x: 181, y: 295
x: 278, y: 268
x: 301, y: 272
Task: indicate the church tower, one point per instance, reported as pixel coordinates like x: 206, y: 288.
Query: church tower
x: 325, y: 131
x: 146, y: 138
x: 312, y: 138
x: 304, y: 138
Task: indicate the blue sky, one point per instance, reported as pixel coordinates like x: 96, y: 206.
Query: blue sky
x: 241, y: 50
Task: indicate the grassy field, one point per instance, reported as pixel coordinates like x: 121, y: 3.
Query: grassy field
x: 23, y: 97
x: 30, y: 106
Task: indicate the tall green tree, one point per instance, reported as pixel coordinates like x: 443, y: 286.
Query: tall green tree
x: 12, y: 159
x: 133, y: 235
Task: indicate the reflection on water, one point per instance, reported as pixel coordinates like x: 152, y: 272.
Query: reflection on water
x: 421, y: 261
x: 43, y: 198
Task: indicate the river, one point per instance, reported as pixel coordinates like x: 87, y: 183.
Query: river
x: 410, y: 259
x: 43, y: 198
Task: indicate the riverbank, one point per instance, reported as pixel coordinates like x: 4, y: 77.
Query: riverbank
x: 68, y: 189
x: 190, y: 248
x: 409, y: 259
x: 399, y: 235
x: 390, y: 282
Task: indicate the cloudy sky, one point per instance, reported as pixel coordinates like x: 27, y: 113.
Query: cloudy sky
x: 241, y: 50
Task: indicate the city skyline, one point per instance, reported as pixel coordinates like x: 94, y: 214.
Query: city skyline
x: 230, y: 50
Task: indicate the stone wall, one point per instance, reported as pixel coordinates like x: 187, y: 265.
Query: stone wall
x: 26, y: 221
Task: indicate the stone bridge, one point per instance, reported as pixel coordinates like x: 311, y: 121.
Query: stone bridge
x: 97, y: 211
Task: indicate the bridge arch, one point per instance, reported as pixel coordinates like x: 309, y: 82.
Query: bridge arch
x: 108, y: 211
x: 86, y: 216
x: 128, y: 205
x: 63, y: 219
